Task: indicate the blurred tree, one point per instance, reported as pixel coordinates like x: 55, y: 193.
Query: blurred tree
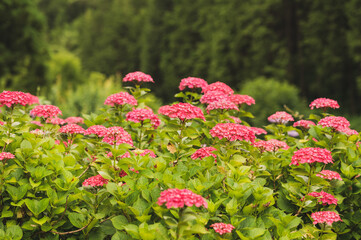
x: 272, y: 95
x: 22, y: 45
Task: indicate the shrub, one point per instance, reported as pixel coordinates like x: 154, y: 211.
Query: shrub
x: 197, y: 175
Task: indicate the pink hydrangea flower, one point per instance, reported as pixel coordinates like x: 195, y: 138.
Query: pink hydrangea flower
x: 37, y: 132
x: 241, y: 99
x: 137, y: 152
x: 140, y: 115
x: 328, y: 174
x: 204, y: 152
x: 118, y: 136
x: 280, y: 117
x: 325, y: 217
x: 213, y: 96
x: 324, y: 197
x: 348, y: 131
x: 2, y: 123
x: 258, y: 131
x: 6, y: 155
x: 232, y: 132
x: 121, y: 98
x: 178, y: 198
x: 219, y: 86
x: 32, y: 99
x: 311, y: 155
x: 56, y: 121
x: 45, y: 111
x: 192, y: 82
x: 337, y: 123
x: 304, y: 124
x: 95, y: 181
x: 222, y: 228
x: 324, y: 103
x: 138, y: 76
x: 271, y: 145
x: 74, y: 120
x: 71, y: 129
x: 182, y: 111
x: 10, y: 98
x: 37, y: 123
x: 235, y: 119
x: 222, y: 104
x: 98, y: 130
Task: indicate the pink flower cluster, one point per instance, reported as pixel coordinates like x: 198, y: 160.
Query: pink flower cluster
x: 74, y: 120
x: 121, y: 98
x: 37, y: 132
x: 222, y: 104
x: 140, y: 115
x: 137, y: 152
x: 214, y: 96
x: 325, y: 217
x: 117, y: 135
x: 37, y: 123
x: 271, y: 145
x: 179, y: 198
x: 71, y: 129
x: 240, y: 99
x: 6, y: 155
x: 280, y: 117
x: 306, y: 124
x: 56, y: 121
x: 192, y: 82
x: 2, y: 123
x: 219, y: 86
x: 138, y: 76
x: 232, y: 132
x: 324, y: 103
x: 204, y: 152
x: 182, y: 111
x: 311, y: 155
x: 95, y: 181
x: 235, y: 119
x: 258, y: 131
x: 32, y: 99
x: 45, y: 111
x: 337, y: 123
x: 10, y: 98
x: 98, y: 130
x: 324, y: 197
x: 328, y: 174
x: 222, y: 228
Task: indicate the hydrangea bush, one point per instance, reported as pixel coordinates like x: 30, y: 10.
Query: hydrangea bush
x: 194, y: 169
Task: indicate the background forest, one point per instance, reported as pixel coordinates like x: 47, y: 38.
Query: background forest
x: 75, y: 52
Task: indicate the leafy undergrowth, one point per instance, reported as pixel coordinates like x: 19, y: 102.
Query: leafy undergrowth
x: 192, y: 172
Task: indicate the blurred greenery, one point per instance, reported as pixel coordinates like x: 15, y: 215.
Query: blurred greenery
x: 313, y: 45
x: 271, y: 96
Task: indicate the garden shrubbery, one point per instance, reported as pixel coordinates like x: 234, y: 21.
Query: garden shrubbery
x: 195, y: 170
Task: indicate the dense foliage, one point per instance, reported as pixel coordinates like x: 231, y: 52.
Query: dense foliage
x: 195, y: 171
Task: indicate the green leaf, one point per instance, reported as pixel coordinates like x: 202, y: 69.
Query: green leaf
x: 14, y: 232
x: 231, y: 207
x: 69, y: 160
x: 119, y: 222
x: 26, y: 145
x: 132, y: 230
x: 36, y: 206
x: 77, y: 219
x: 17, y: 193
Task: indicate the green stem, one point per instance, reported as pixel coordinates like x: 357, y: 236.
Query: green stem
x: 307, y: 191
x: 179, y: 220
